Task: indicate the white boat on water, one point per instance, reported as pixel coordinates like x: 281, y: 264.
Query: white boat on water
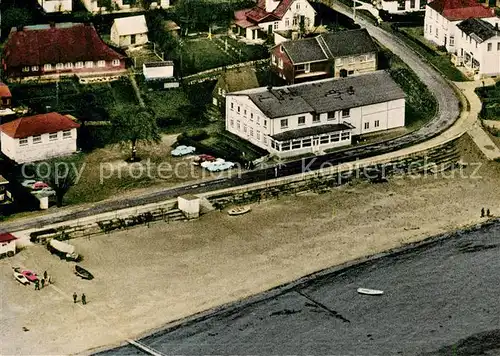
x: 370, y: 291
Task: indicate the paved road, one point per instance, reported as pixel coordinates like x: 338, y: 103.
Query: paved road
x: 447, y: 114
x: 435, y: 296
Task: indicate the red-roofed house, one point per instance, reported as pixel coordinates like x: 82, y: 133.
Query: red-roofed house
x: 7, y: 244
x: 443, y: 16
x: 274, y: 15
x: 5, y: 97
x: 39, y: 137
x: 65, y: 49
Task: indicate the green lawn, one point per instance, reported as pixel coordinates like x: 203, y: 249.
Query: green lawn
x: 200, y: 55
x: 414, y: 37
x: 490, y: 97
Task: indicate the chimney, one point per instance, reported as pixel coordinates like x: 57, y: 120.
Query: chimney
x: 52, y: 24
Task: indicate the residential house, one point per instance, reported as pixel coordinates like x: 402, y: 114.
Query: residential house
x: 120, y: 5
x: 478, y: 46
x: 5, y: 195
x: 332, y: 54
x: 314, y: 116
x: 232, y: 81
x: 39, y: 137
x: 401, y: 6
x: 65, y: 49
x: 7, y: 244
x: 129, y: 31
x: 56, y: 5
x: 5, y: 97
x: 172, y: 28
x: 274, y: 15
x: 443, y: 16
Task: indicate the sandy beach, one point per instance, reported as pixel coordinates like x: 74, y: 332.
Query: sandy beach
x: 147, y: 277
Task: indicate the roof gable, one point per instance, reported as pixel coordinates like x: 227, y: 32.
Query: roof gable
x: 38, y: 125
x: 63, y: 43
x: 460, y: 9
x: 4, y: 91
x: 7, y: 237
x: 131, y: 25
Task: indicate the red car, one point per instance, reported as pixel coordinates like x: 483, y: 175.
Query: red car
x: 40, y: 185
x: 203, y: 158
x: 30, y: 276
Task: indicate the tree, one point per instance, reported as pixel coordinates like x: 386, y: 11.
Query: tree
x: 15, y: 17
x: 134, y: 124
x: 59, y: 175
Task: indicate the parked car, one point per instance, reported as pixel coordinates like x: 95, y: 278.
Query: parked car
x: 203, y: 158
x: 47, y: 191
x: 183, y: 150
x: 28, y: 183
x: 222, y: 166
x: 40, y: 185
x: 30, y: 276
x: 206, y: 164
x: 20, y: 277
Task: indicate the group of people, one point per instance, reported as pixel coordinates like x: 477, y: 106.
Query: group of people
x: 75, y: 298
x: 46, y: 279
x: 488, y: 214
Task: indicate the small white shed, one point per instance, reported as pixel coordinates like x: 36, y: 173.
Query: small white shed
x: 158, y: 70
x: 129, y: 31
x: 7, y: 244
x: 190, y: 205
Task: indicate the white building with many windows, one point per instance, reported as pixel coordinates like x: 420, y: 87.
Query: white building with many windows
x: 39, y: 137
x: 314, y: 116
x: 443, y: 16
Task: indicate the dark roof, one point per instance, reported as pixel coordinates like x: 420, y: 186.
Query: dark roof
x: 326, y: 95
x: 158, y: 64
x: 63, y: 43
x: 38, y: 125
x: 455, y: 10
x: 240, y: 79
x: 330, y: 45
x: 479, y: 29
x: 309, y: 131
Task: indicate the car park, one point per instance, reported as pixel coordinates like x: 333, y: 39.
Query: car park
x: 183, y: 150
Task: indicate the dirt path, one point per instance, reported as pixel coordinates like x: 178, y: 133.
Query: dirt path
x: 148, y: 277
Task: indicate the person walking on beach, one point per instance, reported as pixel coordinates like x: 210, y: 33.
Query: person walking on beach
x: 488, y: 212
x: 74, y: 297
x: 37, y: 286
x: 45, y: 275
x: 482, y: 212
x: 84, y: 299
x: 43, y: 282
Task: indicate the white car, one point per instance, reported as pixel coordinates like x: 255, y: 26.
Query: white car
x: 20, y: 277
x: 183, y: 150
x: 28, y: 183
x: 47, y: 191
x: 208, y: 164
x: 217, y: 167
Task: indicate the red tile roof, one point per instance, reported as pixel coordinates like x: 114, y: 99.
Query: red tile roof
x: 259, y: 14
x: 38, y: 125
x: 455, y: 10
x: 4, y: 91
x: 64, y: 43
x: 6, y: 237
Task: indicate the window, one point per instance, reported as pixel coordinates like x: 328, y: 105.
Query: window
x: 295, y: 21
x: 350, y: 72
x: 296, y: 144
x: 345, y: 136
x: 297, y: 6
x: 258, y: 135
x: 37, y: 139
x: 490, y: 46
x: 280, y: 63
x: 306, y: 142
x: 47, y: 67
x: 331, y: 115
x: 258, y: 120
x: 23, y: 142
x: 284, y: 123
x: 498, y: 46
x: 287, y: 22
x: 115, y: 62
x: 264, y: 140
x: 68, y: 65
x: 101, y: 64
x: 412, y: 4
x: 67, y: 134
x: 273, y: 59
x: 346, y: 112
x: 265, y: 123
x: 302, y: 120
x: 219, y: 91
x: 401, y: 4
x: 238, y: 125
x: 89, y: 64
x: 437, y: 32
x: 307, y: 67
x: 452, y: 40
x: 223, y: 93
x: 245, y: 112
x: 276, y: 25
x: 214, y: 101
x: 26, y: 69
x: 34, y: 69
x: 430, y: 29
x: 335, y: 137
x: 232, y: 123
x: 79, y: 65
x: 251, y: 131
x: 339, y: 61
x: 239, y: 109
x: 367, y: 125
x: 324, y: 139
x: 251, y: 116
x: 244, y: 127
x: 53, y: 136
x: 316, y: 118
x: 232, y: 106
x: 285, y: 146
x: 377, y: 123
x: 59, y: 66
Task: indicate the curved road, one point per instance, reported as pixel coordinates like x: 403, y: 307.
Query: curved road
x: 448, y: 112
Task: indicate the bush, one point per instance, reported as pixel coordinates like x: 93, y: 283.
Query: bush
x: 196, y: 134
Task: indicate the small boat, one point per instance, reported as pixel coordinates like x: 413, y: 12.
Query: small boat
x: 370, y: 291
x: 239, y: 210
x: 83, y: 273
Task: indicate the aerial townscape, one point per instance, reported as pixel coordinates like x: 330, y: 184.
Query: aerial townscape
x: 250, y: 177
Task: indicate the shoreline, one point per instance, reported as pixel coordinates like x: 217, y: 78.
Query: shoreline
x: 287, y: 286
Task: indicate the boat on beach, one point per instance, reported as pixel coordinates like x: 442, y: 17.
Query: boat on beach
x: 83, y: 273
x: 239, y: 210
x: 368, y: 291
